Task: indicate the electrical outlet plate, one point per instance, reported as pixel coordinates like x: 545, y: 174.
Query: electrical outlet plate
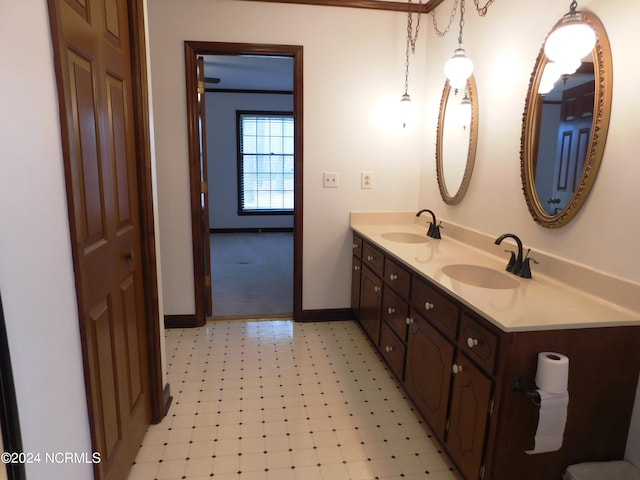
x: 330, y: 180
x: 366, y: 180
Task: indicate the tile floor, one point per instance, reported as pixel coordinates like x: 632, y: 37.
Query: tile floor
x: 278, y: 400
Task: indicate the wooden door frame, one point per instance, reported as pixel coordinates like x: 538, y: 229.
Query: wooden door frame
x: 9, y: 420
x: 159, y: 396
x: 192, y: 50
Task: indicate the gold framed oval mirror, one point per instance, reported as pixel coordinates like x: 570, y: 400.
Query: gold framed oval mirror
x: 457, y: 138
x: 564, y: 132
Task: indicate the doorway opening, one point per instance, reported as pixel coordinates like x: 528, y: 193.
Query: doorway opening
x: 226, y: 84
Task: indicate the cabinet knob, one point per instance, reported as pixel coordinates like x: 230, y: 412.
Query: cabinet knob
x: 391, y: 310
x: 409, y: 320
x: 370, y: 258
x: 388, y: 348
x: 376, y: 288
x: 393, y: 277
x: 428, y: 306
x: 472, y: 342
x: 355, y: 245
x: 356, y: 267
x: 457, y: 368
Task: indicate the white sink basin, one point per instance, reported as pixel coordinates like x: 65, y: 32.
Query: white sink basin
x: 480, y: 276
x: 405, y: 237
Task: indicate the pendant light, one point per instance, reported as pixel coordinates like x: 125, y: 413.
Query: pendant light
x: 459, y: 68
x: 572, y: 40
x: 406, y: 108
x: 553, y: 71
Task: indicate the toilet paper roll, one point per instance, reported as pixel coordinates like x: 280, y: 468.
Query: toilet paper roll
x: 551, y: 422
x: 552, y: 375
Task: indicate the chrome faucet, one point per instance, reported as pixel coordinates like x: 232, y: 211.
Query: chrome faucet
x: 434, y: 228
x: 517, y: 264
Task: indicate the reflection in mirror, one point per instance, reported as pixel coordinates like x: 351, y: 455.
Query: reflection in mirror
x: 565, y: 128
x: 564, y: 131
x: 457, y: 140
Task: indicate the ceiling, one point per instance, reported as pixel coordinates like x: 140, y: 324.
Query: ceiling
x: 249, y: 72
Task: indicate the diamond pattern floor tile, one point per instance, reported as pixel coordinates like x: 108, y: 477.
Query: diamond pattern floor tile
x: 278, y: 400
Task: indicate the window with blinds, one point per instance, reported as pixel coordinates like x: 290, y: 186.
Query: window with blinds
x: 265, y: 162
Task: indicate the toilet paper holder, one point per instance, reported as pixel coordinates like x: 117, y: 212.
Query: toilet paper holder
x: 516, y: 386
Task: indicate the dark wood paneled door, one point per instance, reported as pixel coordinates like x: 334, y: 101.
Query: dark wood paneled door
x: 92, y: 47
x: 427, y: 375
x: 470, y: 400
x: 371, y: 304
x: 574, y: 133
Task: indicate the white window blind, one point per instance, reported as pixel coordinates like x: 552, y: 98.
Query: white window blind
x: 266, y: 162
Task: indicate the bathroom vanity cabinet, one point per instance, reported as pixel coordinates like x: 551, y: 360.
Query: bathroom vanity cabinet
x: 459, y: 369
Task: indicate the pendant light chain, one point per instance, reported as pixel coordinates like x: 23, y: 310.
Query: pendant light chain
x: 411, y: 38
x: 462, y: 11
x: 411, y: 43
x: 482, y: 11
x: 451, y: 17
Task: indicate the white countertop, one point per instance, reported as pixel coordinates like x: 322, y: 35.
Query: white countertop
x: 539, y: 303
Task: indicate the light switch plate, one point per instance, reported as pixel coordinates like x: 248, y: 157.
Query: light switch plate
x: 330, y: 180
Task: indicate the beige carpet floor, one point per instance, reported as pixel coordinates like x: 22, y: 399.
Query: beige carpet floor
x: 252, y: 274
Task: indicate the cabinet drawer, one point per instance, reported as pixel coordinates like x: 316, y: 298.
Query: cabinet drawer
x: 357, y: 246
x: 395, y: 312
x: 397, y: 277
x: 373, y: 257
x: 478, y: 342
x: 435, y: 307
x: 392, y: 350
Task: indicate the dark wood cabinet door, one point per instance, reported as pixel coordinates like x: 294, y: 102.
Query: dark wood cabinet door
x: 356, y: 276
x: 428, y: 372
x: 370, y: 304
x: 470, y: 399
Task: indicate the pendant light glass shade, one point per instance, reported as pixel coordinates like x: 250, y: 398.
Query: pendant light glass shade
x: 550, y: 76
x: 568, y: 66
x: 553, y: 71
x: 572, y: 40
x: 406, y: 110
x: 458, y: 69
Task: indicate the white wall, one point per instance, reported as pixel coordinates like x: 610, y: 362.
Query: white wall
x: 222, y: 157
x: 350, y: 77
x: 36, y: 274
x: 353, y: 71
